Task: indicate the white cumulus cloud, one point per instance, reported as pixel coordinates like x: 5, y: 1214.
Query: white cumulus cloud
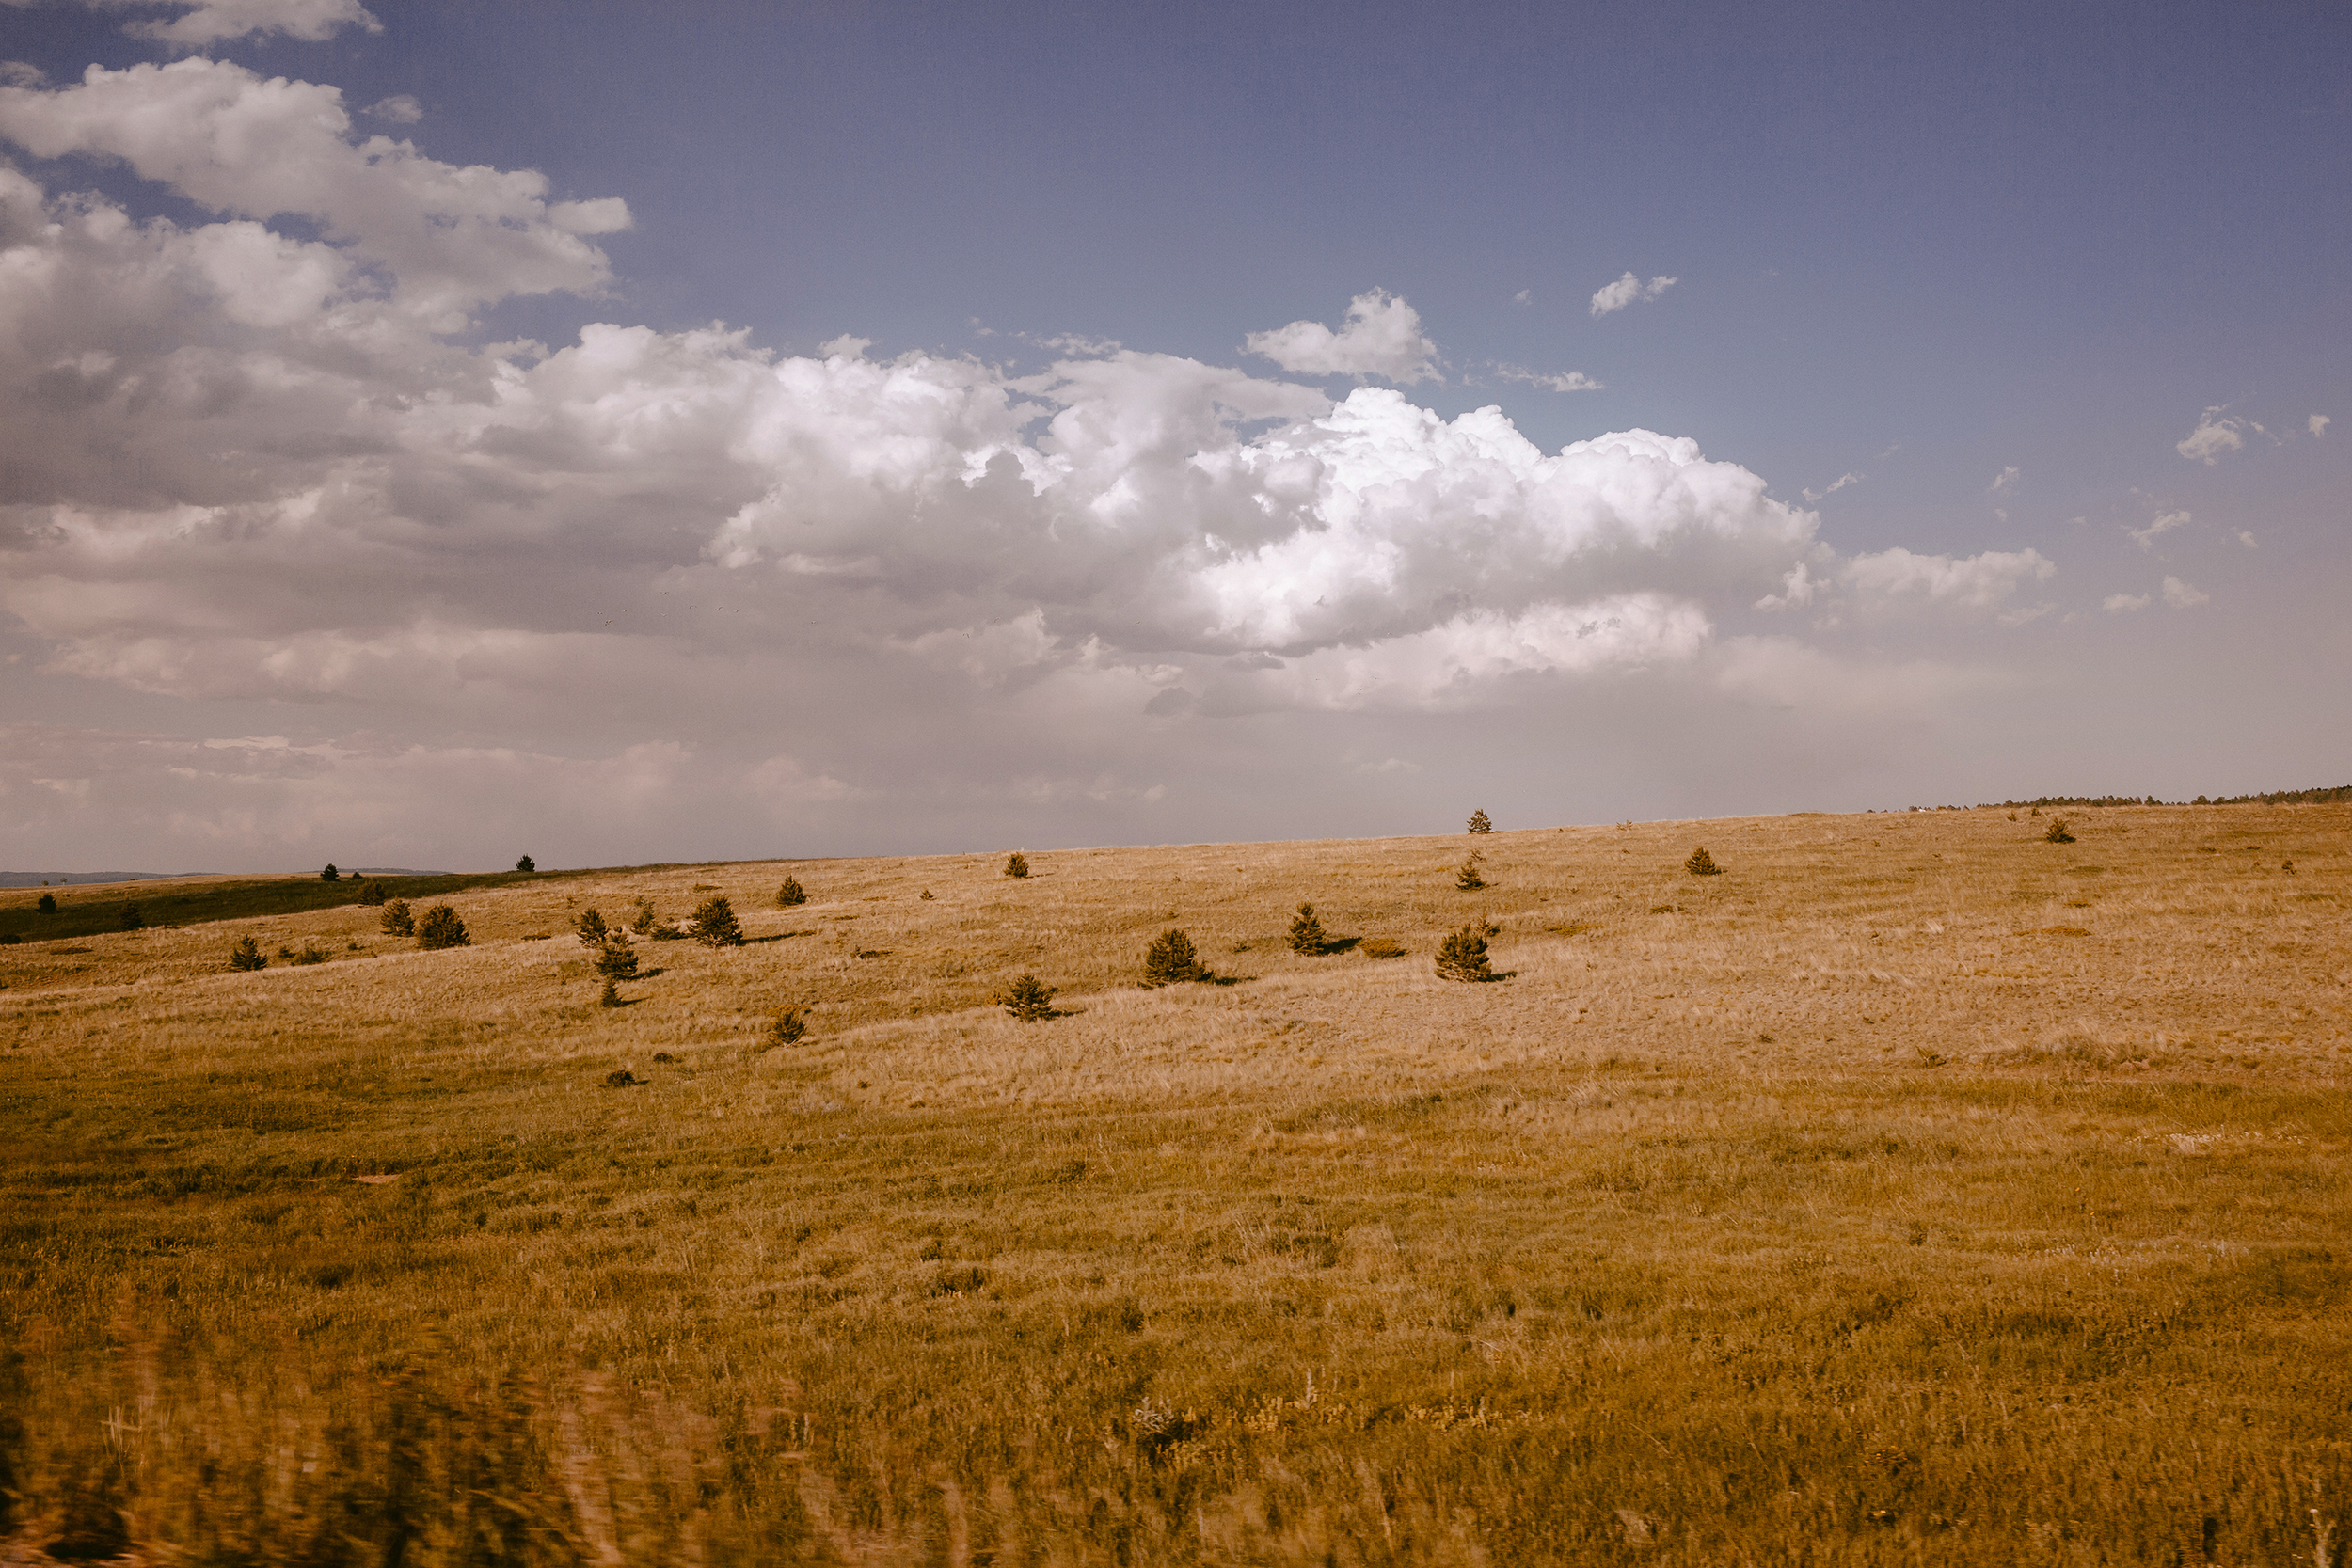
x: 1629, y: 290
x: 2217, y: 433
x: 2180, y: 595
x: 202, y: 23
x: 2317, y: 424
x: 2120, y: 604
x: 1381, y: 337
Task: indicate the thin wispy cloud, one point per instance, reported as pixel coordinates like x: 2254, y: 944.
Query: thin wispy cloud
x: 2144, y: 537
x: 1560, y: 381
x: 2217, y: 435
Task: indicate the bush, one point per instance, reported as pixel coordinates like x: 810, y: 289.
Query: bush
x: 1480, y: 823
x: 1306, y: 933
x: 644, y: 920
x: 790, y: 895
x: 1463, y: 955
x: 616, y: 959
x: 2058, y: 834
x: 440, y: 927
x: 526, y: 865
x: 1028, y: 1000
x: 396, y: 920
x: 590, y: 928
x: 1701, y: 864
x: 371, y: 895
x: 1381, y: 947
x: 328, y: 874
x: 48, y: 904
x: 787, y: 1027
x: 247, y: 956
x: 311, y: 954
x: 132, y: 919
x: 621, y: 1078
x: 714, y: 923
x: 1016, y: 865
x: 1172, y: 961
x: 1467, y: 878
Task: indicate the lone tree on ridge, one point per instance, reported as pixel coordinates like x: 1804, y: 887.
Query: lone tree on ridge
x: 1480, y: 822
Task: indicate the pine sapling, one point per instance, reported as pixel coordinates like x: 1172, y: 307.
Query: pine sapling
x: 715, y: 925
x: 1467, y: 878
x: 610, y: 995
x: 616, y: 958
x: 792, y: 896
x: 1016, y: 865
x: 247, y: 955
x: 645, y: 920
x: 1172, y: 960
x: 1306, y: 934
x: 440, y: 927
x: 1480, y: 822
x: 590, y: 928
x: 2058, y: 834
x: 396, y: 919
x: 1028, y: 999
x: 786, y: 1028
x: 1462, y: 953
x: 1701, y: 864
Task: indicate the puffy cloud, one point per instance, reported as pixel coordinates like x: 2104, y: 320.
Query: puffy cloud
x: 399, y: 109
x: 2144, y: 537
x: 489, y: 586
x: 2120, y: 604
x: 203, y: 23
x: 1381, y: 337
x: 2317, y: 424
x: 1565, y: 381
x: 2246, y: 537
x: 1629, y: 290
x: 2180, y: 595
x: 236, y: 143
x: 2216, y: 433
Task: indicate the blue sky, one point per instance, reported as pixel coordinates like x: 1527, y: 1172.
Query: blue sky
x: 2022, y: 328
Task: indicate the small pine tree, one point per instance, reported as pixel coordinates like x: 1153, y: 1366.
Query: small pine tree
x: 371, y: 895
x: 616, y: 959
x: 1701, y: 864
x: 48, y: 904
x: 1480, y: 822
x: 1462, y: 953
x: 132, y: 919
x: 1172, y: 960
x: 397, y: 920
x: 786, y: 1028
x: 1306, y: 933
x: 644, y: 920
x: 329, y: 874
x: 440, y: 927
x: 610, y: 995
x: 792, y: 896
x: 247, y: 955
x: 714, y: 923
x: 2058, y: 834
x: 1016, y: 865
x: 590, y: 928
x: 1467, y: 878
x: 526, y: 865
x: 1028, y: 999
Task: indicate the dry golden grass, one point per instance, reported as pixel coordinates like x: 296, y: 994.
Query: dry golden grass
x: 1916, y: 1190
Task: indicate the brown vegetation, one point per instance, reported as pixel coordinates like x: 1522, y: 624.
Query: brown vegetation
x: 1921, y: 1193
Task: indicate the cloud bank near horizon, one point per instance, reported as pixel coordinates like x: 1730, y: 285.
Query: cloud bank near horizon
x: 252, y: 466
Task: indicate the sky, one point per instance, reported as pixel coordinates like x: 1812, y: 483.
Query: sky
x: 434, y: 433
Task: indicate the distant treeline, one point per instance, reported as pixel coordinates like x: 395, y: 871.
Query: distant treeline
x: 2275, y: 798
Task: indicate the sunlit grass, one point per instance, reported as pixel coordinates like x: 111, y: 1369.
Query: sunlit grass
x: 1914, y: 1190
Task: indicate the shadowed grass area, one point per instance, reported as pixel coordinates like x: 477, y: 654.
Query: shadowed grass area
x: 1339, y: 1264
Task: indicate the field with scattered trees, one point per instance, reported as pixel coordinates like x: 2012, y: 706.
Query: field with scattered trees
x: 1901, y: 1188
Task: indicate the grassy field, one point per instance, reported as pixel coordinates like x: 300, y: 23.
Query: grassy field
x: 1916, y: 1190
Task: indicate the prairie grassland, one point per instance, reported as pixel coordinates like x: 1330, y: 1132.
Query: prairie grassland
x: 1916, y: 1190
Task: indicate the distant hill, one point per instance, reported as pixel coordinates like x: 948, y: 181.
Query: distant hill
x: 77, y: 878
x: 2275, y: 798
